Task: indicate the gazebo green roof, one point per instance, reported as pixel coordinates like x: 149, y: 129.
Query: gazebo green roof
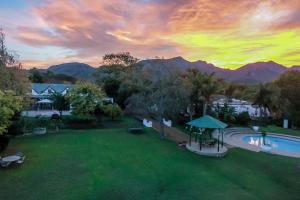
x: 207, y: 122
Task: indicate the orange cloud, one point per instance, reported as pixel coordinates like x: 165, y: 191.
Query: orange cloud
x: 146, y: 28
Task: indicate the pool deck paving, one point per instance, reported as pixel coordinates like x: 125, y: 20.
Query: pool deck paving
x: 234, y: 137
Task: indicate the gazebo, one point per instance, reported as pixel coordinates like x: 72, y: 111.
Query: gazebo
x: 206, y: 122
x: 45, y: 104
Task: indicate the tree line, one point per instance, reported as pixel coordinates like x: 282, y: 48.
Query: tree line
x: 160, y: 94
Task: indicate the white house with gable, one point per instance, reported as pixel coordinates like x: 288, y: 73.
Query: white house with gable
x: 42, y: 101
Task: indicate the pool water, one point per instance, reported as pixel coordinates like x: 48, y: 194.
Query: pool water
x: 274, y: 143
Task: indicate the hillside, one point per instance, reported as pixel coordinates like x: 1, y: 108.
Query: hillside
x: 78, y: 70
x: 253, y: 73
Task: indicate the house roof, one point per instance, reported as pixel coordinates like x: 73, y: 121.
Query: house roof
x: 207, y: 122
x: 41, y: 87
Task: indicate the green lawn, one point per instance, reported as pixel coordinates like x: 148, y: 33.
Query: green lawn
x: 113, y: 164
x: 277, y: 129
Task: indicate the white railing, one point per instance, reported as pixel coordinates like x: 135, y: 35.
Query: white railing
x: 168, y: 123
x: 147, y: 123
x: 44, y: 113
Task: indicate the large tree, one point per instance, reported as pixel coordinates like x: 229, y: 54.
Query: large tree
x: 201, y: 87
x: 85, y: 98
x: 159, y: 98
x: 14, y: 85
x: 10, y: 104
x: 112, y: 110
x: 267, y: 99
x: 111, y: 74
x: 13, y: 77
x: 289, y: 84
x: 122, y: 59
x: 35, y: 76
x: 60, y: 102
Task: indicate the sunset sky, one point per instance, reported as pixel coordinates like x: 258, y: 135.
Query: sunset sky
x: 227, y: 33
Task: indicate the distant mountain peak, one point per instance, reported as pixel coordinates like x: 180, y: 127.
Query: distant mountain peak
x: 177, y: 58
x: 295, y: 67
x: 271, y: 65
x: 252, y: 73
x: 78, y: 70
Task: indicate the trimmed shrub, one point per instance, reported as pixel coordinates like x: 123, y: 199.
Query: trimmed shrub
x: 16, y: 127
x: 136, y: 130
x: 112, y: 110
x: 4, y: 140
x: 243, y: 118
x: 55, y: 117
x: 80, y: 121
x: 28, y: 124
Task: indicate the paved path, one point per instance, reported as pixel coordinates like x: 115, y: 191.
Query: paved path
x: 211, y: 151
x: 171, y: 133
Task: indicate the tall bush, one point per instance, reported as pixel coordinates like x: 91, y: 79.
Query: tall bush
x: 112, y: 110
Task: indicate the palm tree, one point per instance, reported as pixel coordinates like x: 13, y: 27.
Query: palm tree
x: 267, y: 99
x: 210, y: 86
x: 201, y: 88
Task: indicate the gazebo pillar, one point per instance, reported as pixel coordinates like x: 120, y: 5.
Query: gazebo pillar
x: 222, y: 138
x: 190, y: 141
x: 200, y: 141
x: 218, y: 140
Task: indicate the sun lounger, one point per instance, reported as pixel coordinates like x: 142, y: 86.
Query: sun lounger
x: 19, y: 158
x: 22, y: 159
x: 4, y: 163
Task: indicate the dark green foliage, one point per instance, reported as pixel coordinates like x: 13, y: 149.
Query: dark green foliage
x: 226, y: 113
x: 80, y: 121
x: 60, y: 102
x: 12, y: 76
x: 200, y: 87
x: 112, y: 110
x: 112, y: 75
x: 35, y: 76
x: 122, y: 58
x: 111, y: 87
x: 85, y: 98
x: 136, y: 130
x: 27, y: 124
x: 289, y: 84
x: 55, y: 117
x: 4, y: 141
x: 16, y: 127
x: 243, y: 118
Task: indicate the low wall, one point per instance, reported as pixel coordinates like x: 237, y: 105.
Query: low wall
x: 44, y: 113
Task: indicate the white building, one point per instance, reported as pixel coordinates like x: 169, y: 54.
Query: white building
x: 239, y: 106
x: 41, y: 94
x: 42, y: 101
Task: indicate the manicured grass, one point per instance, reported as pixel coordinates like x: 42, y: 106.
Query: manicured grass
x: 276, y: 129
x: 113, y: 164
x: 120, y: 122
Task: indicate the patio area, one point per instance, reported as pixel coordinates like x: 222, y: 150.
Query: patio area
x: 201, y: 145
x: 211, y: 151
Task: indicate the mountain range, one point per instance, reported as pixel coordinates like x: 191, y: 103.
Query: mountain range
x: 253, y: 73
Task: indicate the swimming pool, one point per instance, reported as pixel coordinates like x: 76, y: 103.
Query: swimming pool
x: 274, y: 143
